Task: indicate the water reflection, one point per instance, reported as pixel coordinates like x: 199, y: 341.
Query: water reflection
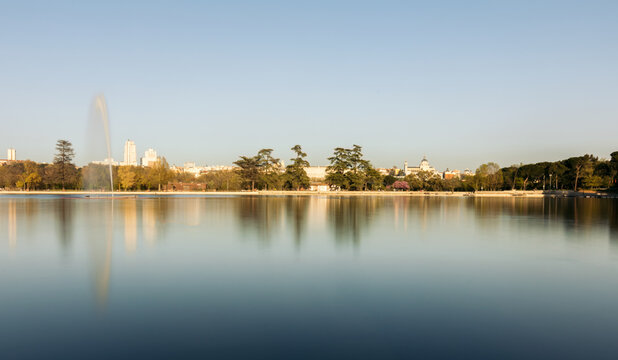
x: 297, y: 220
x: 99, y: 235
x: 297, y: 209
x: 12, y: 223
x: 129, y: 211
x: 64, y: 215
x: 350, y: 217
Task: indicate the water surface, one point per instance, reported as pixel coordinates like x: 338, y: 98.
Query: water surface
x: 308, y: 277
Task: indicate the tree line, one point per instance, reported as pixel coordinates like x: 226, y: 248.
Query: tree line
x: 347, y: 170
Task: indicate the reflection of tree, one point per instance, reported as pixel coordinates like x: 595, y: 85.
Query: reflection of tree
x: 352, y: 215
x: 64, y: 216
x: 573, y: 213
x: 260, y: 214
x: 296, y: 209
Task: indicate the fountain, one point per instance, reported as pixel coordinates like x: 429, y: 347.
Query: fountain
x: 102, y: 256
x: 100, y: 107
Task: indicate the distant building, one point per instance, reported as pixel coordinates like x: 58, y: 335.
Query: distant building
x: 384, y: 171
x: 10, y: 154
x: 130, y: 153
x: 423, y: 166
x: 319, y: 187
x: 106, y: 162
x: 451, y: 174
x: 316, y: 172
x: 150, y: 157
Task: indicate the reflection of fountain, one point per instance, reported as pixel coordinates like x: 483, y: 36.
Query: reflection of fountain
x: 100, y: 238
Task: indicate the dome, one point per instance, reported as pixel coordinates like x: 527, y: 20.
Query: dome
x: 424, y: 164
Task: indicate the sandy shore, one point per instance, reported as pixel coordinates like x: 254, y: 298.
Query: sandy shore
x: 531, y: 194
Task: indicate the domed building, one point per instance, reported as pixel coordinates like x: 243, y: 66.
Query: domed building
x: 423, y: 166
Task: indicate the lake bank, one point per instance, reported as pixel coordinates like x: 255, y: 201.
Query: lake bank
x: 515, y: 193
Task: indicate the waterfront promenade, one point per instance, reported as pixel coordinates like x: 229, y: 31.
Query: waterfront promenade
x: 514, y: 193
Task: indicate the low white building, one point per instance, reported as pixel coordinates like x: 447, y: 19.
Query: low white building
x: 319, y: 187
x: 106, y: 162
x: 316, y: 172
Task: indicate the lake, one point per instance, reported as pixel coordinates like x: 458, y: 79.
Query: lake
x: 263, y: 277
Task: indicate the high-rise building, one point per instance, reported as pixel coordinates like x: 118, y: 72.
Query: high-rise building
x: 150, y: 157
x: 10, y: 154
x: 130, y: 153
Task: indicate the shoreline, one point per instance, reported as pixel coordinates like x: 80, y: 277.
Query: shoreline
x: 506, y: 193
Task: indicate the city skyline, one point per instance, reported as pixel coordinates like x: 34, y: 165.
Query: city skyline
x: 510, y: 83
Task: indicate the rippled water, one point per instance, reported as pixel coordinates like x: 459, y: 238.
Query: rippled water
x: 308, y: 277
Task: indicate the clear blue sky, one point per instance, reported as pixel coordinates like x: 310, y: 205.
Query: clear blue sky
x: 464, y: 82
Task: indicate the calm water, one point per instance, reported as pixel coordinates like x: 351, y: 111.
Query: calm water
x: 308, y: 277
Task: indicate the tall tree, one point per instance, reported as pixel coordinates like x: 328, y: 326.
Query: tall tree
x: 339, y: 164
x: 249, y: 169
x: 580, y: 166
x: 296, y: 176
x: 127, y: 177
x: 269, y: 169
x: 613, y: 163
x: 63, y: 160
x: 348, y: 170
x: 160, y: 173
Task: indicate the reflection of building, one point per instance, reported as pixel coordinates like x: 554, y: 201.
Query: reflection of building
x: 150, y: 157
x: 130, y: 225
x: 12, y: 208
x: 130, y: 153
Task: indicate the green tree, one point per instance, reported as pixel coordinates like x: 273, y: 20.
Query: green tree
x: 389, y: 180
x: 160, y: 173
x: 580, y: 166
x: 127, y: 177
x: 489, y: 176
x: 349, y: 170
x: 295, y: 174
x: 30, y: 178
x: 269, y: 170
x: 249, y: 169
x: 339, y: 164
x: 63, y: 161
x: 222, y: 180
x: 614, y: 167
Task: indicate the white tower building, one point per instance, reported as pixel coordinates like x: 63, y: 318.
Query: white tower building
x: 130, y: 153
x: 10, y: 154
x: 150, y: 157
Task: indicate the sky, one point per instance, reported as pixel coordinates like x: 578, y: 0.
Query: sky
x: 462, y: 82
